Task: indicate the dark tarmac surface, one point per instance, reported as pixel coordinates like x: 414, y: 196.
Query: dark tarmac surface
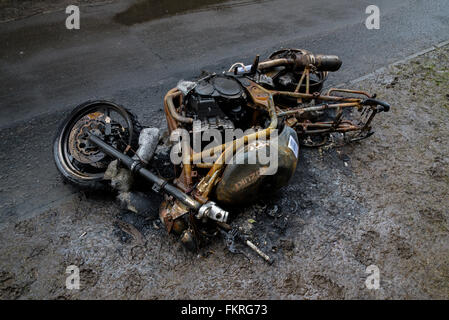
x: 45, y: 70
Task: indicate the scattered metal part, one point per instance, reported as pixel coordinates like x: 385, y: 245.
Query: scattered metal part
x: 231, y: 238
x: 212, y: 211
x: 259, y: 252
x: 131, y: 230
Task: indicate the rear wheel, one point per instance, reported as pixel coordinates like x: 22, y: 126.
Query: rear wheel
x: 77, y: 159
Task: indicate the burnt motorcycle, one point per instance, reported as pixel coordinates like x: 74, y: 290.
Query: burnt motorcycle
x: 280, y: 99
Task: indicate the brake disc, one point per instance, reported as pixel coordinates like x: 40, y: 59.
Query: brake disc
x: 79, y: 145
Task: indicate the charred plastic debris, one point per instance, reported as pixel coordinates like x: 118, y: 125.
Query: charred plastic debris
x: 277, y: 103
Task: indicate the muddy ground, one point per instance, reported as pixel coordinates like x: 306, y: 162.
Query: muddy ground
x: 382, y: 201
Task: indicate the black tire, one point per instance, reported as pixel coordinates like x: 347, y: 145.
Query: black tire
x: 71, y: 175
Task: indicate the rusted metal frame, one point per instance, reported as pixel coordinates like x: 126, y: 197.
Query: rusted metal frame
x: 170, y: 111
x: 270, y: 106
x: 274, y: 63
x: 326, y: 124
x: 204, y: 165
x: 172, y: 116
x: 218, y: 150
x: 207, y: 183
x: 173, y: 93
x: 313, y: 96
x: 343, y: 126
x: 172, y: 124
x: 327, y: 128
x: 348, y: 102
x: 307, y: 71
x: 338, y: 118
x: 320, y: 108
x: 331, y: 90
x: 320, y: 131
x: 221, y: 148
x: 370, y: 119
x: 209, y: 180
x: 186, y: 164
x: 298, y: 87
x: 351, y: 102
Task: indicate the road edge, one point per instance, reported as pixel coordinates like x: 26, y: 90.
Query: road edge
x: 399, y: 62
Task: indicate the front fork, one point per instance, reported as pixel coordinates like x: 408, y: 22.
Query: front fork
x: 208, y: 210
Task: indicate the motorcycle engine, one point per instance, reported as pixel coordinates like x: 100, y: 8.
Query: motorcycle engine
x: 219, y: 102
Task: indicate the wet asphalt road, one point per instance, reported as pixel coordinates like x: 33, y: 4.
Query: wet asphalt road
x: 133, y: 58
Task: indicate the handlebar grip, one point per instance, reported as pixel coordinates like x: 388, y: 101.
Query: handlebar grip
x: 373, y: 102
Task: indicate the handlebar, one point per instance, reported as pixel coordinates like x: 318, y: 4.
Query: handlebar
x: 385, y: 107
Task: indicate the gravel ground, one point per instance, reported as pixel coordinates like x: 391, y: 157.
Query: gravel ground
x: 382, y: 201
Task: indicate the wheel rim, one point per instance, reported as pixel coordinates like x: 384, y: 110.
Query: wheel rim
x: 78, y: 156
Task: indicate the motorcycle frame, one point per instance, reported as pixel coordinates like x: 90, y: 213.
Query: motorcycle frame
x: 262, y: 98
